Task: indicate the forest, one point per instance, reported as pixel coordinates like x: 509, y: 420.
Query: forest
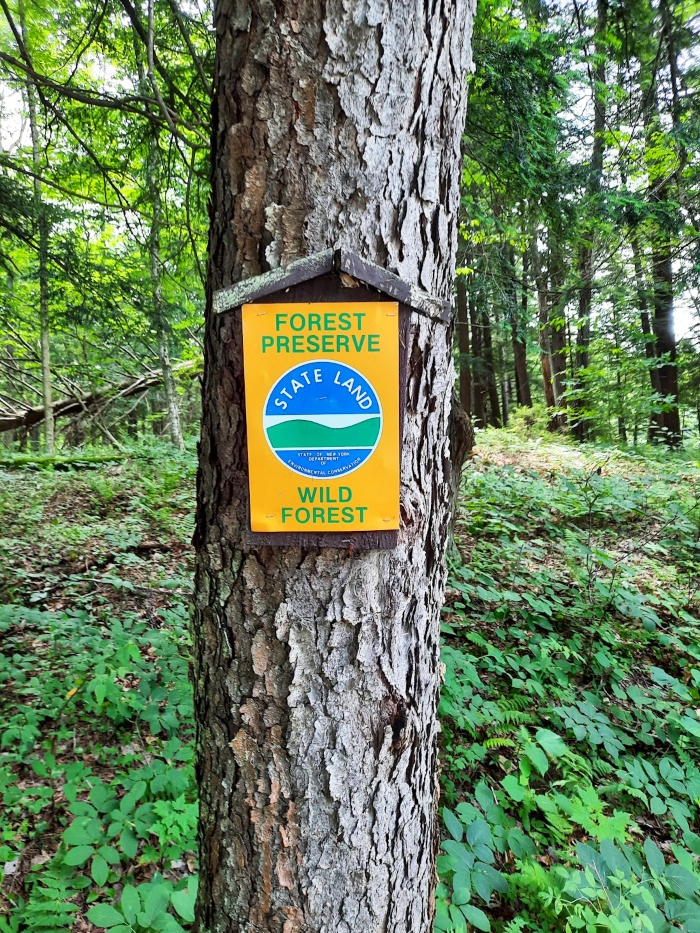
x: 569, y: 711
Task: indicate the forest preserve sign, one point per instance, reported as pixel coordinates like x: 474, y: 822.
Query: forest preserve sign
x: 322, y: 412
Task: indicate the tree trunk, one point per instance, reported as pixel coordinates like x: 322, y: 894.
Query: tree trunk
x: 518, y: 335
x: 494, y: 417
x: 661, y: 261
x: 593, y: 187
x: 465, y: 373
x: 161, y: 324
x: 543, y: 319
x: 317, y: 669
x: 557, y: 328
x: 42, y: 221
x: 479, y: 389
x: 159, y: 317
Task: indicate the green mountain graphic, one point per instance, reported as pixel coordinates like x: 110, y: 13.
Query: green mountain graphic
x: 293, y: 434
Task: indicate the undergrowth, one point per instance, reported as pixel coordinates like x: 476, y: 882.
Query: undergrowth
x: 569, y: 711
x: 98, y: 815
x: 570, y: 741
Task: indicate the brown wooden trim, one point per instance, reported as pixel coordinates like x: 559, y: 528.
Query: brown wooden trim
x: 394, y: 286
x: 352, y: 541
x: 340, y: 262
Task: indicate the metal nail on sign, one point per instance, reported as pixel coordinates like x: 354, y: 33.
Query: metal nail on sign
x: 322, y: 412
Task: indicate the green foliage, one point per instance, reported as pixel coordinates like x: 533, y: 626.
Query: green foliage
x: 571, y: 743
x: 96, y: 756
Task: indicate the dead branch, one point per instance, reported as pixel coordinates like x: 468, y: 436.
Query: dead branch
x: 29, y: 417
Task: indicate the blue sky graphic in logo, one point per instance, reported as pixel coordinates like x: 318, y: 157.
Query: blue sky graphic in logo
x: 322, y: 419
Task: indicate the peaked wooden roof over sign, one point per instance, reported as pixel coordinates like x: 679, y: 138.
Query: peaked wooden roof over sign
x: 337, y: 261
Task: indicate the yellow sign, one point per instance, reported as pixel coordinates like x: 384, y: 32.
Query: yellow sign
x: 322, y: 411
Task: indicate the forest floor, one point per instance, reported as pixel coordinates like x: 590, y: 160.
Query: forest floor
x: 570, y: 710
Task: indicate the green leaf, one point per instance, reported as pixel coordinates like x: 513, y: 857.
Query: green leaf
x: 109, y: 854
x: 657, y: 806
x: 102, y: 915
x: 537, y: 757
x: 131, y: 903
x: 82, y: 831
x: 513, y: 788
x: 454, y: 827
x: 102, y: 798
x: 461, y: 856
x: 156, y: 901
x: 78, y: 855
x: 99, y: 871
x: 479, y: 833
x: 654, y: 856
x: 553, y: 744
x: 183, y: 902
x: 129, y: 843
x: 484, y: 795
x: 681, y: 881
x: 476, y: 917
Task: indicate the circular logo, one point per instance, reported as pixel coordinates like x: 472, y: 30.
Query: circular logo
x: 322, y: 419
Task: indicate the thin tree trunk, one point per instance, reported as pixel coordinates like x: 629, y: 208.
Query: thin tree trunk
x: 490, y: 368
x: 544, y: 326
x: 43, y: 228
x: 557, y: 330
x: 465, y: 374
x: 161, y: 325
x: 479, y: 382
x: 518, y: 335
x: 661, y: 263
x: 593, y: 187
x: 317, y: 669
x: 160, y: 320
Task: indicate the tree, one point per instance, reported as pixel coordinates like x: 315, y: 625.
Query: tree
x: 316, y: 670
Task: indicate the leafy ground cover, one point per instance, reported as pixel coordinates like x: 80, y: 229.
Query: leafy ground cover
x: 570, y: 729
x: 571, y: 737
x: 98, y: 815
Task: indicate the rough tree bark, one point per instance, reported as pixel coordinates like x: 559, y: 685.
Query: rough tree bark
x: 316, y: 670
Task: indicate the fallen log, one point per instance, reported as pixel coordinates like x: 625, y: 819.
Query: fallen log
x: 63, y: 408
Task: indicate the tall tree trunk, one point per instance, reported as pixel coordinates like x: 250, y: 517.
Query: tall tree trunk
x: 42, y: 221
x: 479, y: 388
x: 518, y: 335
x: 543, y: 320
x: 494, y: 416
x: 317, y: 669
x: 160, y: 318
x: 656, y: 419
x: 463, y: 345
x: 557, y: 328
x: 661, y: 259
x: 593, y: 186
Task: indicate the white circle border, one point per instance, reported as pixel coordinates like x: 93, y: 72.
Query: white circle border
x: 381, y: 420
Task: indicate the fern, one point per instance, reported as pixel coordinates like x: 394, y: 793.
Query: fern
x: 499, y: 742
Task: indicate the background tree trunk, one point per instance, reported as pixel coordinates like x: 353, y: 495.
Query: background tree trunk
x: 593, y: 188
x: 519, y: 339
x: 659, y: 195
x: 479, y: 389
x: 463, y: 344
x: 317, y: 670
x: 42, y: 221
